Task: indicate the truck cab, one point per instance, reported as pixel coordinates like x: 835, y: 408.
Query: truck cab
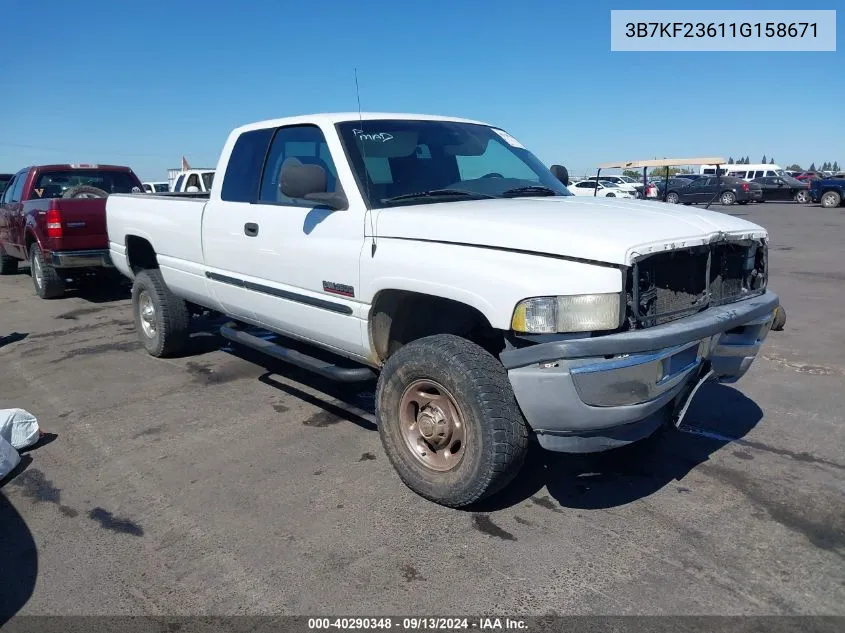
x: 441, y: 258
x: 194, y: 181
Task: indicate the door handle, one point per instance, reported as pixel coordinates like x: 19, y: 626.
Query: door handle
x: 251, y: 229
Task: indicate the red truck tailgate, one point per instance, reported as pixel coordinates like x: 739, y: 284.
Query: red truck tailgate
x: 82, y: 220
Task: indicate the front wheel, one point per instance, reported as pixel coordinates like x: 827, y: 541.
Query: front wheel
x: 673, y: 198
x: 46, y: 279
x: 831, y: 199
x: 449, y: 421
x: 162, y: 319
x: 728, y: 198
x: 802, y: 197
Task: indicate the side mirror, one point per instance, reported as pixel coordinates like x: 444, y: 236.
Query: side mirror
x: 561, y: 173
x: 309, y: 182
x: 192, y: 189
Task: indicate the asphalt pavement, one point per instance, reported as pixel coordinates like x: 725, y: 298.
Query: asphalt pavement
x: 222, y: 483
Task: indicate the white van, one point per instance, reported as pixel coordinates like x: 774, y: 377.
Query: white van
x: 746, y: 172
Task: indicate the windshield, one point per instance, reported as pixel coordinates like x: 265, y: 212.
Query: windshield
x: 608, y: 184
x: 781, y: 172
x: 4, y: 180
x: 207, y: 179
x: 627, y: 179
x: 395, y: 159
x: 53, y: 184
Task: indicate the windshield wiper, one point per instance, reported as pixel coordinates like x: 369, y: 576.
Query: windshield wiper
x: 530, y: 190
x: 437, y: 193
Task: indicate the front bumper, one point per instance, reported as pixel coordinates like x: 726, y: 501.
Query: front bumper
x: 96, y: 258
x: 591, y: 394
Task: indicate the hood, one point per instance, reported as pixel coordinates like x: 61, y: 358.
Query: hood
x: 598, y: 229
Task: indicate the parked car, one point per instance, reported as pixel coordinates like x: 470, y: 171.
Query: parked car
x: 604, y: 189
x: 807, y: 175
x: 4, y: 180
x: 624, y: 183
x: 156, y: 187
x: 674, y: 183
x: 725, y: 190
x: 784, y: 188
x: 830, y: 192
x: 194, y: 181
x: 490, y: 302
x: 54, y: 216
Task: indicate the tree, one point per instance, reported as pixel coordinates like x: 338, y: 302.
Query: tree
x: 730, y: 160
x: 747, y: 160
x: 633, y: 173
x: 764, y: 161
x: 771, y: 161
x: 794, y: 167
x: 812, y: 167
x: 835, y: 166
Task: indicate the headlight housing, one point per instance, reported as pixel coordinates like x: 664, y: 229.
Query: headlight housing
x: 570, y: 313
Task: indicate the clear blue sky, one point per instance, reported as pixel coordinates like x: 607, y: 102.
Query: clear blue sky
x: 144, y: 83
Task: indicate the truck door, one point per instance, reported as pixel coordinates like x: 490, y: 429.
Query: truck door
x: 297, y: 265
x: 13, y: 221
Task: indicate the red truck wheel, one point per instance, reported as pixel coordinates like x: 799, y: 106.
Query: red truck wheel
x: 48, y: 283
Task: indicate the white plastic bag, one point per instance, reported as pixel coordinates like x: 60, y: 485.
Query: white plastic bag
x: 9, y: 458
x: 18, y: 427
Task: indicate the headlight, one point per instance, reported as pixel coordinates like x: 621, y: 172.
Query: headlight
x: 572, y: 313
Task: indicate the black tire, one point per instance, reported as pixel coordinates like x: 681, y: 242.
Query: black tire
x: 47, y: 281
x: 831, y: 199
x: 170, y: 318
x: 673, y: 198
x: 802, y: 197
x: 610, y: 195
x: 780, y: 319
x: 727, y: 198
x: 495, y: 432
x: 85, y: 191
x: 8, y: 265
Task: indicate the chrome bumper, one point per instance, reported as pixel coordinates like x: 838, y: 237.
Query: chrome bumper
x: 98, y: 258
x: 586, y: 403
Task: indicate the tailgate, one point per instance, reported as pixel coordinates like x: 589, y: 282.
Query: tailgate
x: 83, y: 224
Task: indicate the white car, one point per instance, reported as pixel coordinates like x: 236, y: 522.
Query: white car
x: 156, y: 187
x: 625, y: 183
x: 605, y: 189
x: 442, y: 257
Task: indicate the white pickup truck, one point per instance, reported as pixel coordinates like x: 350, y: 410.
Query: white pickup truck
x: 441, y: 256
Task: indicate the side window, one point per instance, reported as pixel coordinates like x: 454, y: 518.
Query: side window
x: 738, y: 174
x: 7, y: 194
x: 586, y: 185
x: 758, y: 174
x: 193, y: 181
x: 243, y: 173
x: 771, y: 173
x: 496, y: 159
x: 17, y: 190
x: 305, y: 143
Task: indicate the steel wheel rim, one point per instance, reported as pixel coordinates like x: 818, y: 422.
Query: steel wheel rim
x: 432, y: 425
x: 828, y: 199
x: 37, y: 272
x: 672, y: 198
x: 727, y: 199
x: 147, y: 312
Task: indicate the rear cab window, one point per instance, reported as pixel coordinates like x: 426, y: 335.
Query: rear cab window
x: 54, y: 184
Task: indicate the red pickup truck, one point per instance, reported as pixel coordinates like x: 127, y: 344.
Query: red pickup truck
x: 54, y: 216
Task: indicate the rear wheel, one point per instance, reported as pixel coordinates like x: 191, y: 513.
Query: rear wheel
x: 831, y: 199
x: 162, y: 319
x: 728, y: 198
x: 802, y: 197
x: 449, y: 421
x: 46, y: 279
x: 673, y: 198
x: 8, y: 265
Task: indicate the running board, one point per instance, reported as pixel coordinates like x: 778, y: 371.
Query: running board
x: 323, y: 368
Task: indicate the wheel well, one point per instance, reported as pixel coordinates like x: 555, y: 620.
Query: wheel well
x: 29, y: 240
x: 399, y: 317
x: 140, y: 254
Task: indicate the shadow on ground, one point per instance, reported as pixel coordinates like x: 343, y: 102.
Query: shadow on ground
x: 620, y: 476
x: 18, y: 553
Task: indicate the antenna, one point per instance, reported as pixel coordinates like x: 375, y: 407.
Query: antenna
x: 364, y: 157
